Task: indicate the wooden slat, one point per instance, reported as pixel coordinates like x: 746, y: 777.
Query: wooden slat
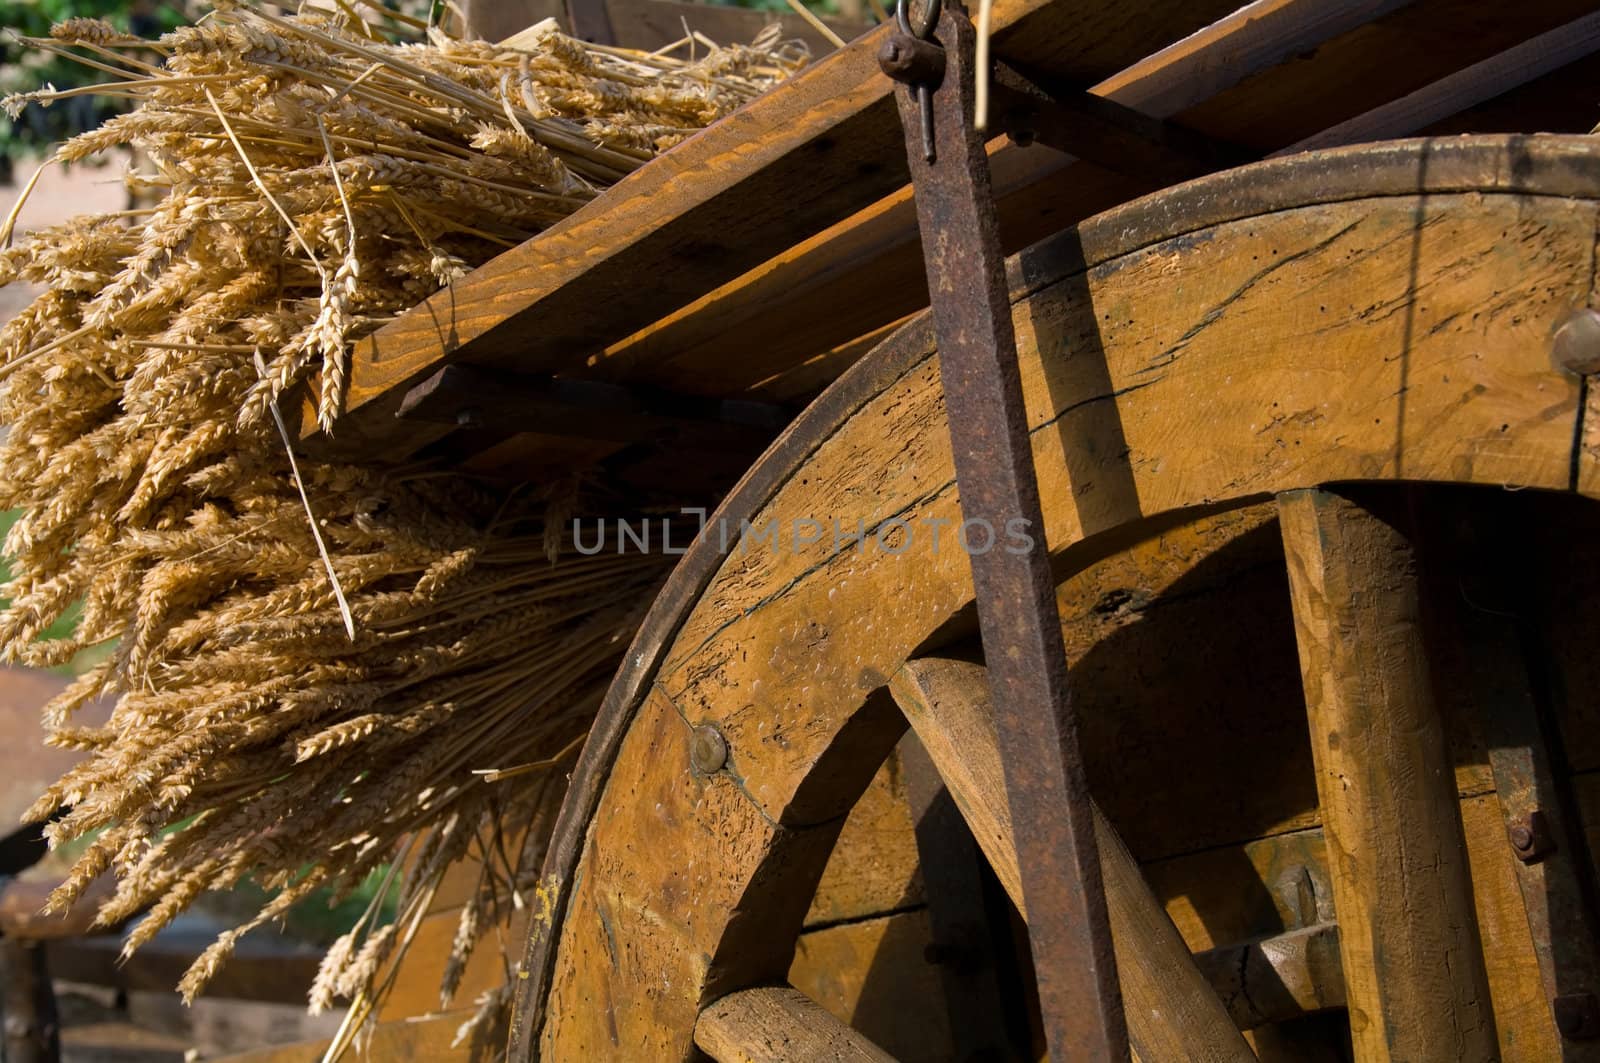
x: 778, y: 1024
x: 789, y: 164
x: 257, y: 971
x: 1399, y: 53
x: 809, y: 298
x: 1401, y: 886
x: 1466, y: 88
x: 1173, y: 1014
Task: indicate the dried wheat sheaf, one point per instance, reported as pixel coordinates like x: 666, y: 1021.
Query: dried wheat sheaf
x: 311, y: 178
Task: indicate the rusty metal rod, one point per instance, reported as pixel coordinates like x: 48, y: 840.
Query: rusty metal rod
x: 1060, y: 869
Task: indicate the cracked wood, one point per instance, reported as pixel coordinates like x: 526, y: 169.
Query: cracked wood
x: 1402, y: 890
x: 1409, y: 345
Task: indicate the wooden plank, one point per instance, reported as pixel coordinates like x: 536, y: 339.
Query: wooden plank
x: 260, y: 971
x: 874, y: 975
x: 1385, y: 59
x: 805, y: 300
x: 497, y: 401
x: 1466, y: 88
x: 787, y: 165
x: 425, y: 1041
x: 779, y: 1025
x: 1172, y: 1011
x: 1401, y: 886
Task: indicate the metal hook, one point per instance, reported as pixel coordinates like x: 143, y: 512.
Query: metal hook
x: 929, y: 19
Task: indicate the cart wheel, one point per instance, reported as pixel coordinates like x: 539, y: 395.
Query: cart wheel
x: 1379, y: 314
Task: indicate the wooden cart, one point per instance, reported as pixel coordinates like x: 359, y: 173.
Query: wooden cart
x: 1304, y: 415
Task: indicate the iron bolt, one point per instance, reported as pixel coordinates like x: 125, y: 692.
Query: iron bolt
x: 1577, y: 1016
x: 1530, y: 837
x: 708, y: 750
x: 912, y: 61
x: 1576, y: 345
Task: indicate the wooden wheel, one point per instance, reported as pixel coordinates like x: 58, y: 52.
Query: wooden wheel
x: 1375, y: 314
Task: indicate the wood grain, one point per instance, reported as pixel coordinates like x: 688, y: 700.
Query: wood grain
x: 1401, y: 885
x: 873, y: 869
x: 779, y: 1025
x: 782, y: 168
x: 1202, y: 368
x: 874, y: 975
x: 1172, y: 1012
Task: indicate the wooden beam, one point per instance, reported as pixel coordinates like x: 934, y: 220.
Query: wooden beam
x: 1401, y: 887
x: 1172, y: 1011
x: 777, y: 1024
x: 786, y: 166
x: 1033, y: 104
x: 1466, y: 88
x: 497, y: 401
x: 807, y: 299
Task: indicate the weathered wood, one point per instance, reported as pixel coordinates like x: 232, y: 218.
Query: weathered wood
x: 1466, y: 88
x: 1172, y: 1011
x: 1263, y: 889
x: 1282, y: 977
x: 873, y: 868
x: 964, y: 927
x: 498, y: 401
x: 779, y: 1025
x: 1358, y: 329
x: 1400, y: 52
x: 1035, y: 105
x: 780, y: 169
x: 1401, y: 886
x: 271, y: 974
x: 874, y: 975
x: 1483, y: 590
x: 28, y: 1004
x: 1348, y: 79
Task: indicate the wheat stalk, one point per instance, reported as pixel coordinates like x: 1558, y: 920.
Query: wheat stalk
x: 412, y: 671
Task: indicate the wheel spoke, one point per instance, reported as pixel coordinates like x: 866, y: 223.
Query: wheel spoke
x: 1412, y: 960
x: 1172, y: 1011
x: 778, y: 1024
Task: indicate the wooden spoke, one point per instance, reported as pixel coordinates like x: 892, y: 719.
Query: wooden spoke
x: 777, y: 1024
x: 1412, y: 961
x: 1173, y: 1013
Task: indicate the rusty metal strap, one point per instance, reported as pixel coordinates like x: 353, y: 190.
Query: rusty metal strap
x: 1068, y: 928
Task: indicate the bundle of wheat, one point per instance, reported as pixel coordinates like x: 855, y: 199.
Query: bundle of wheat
x: 304, y: 696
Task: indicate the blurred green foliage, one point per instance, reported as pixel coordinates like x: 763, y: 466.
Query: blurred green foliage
x: 23, y: 69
